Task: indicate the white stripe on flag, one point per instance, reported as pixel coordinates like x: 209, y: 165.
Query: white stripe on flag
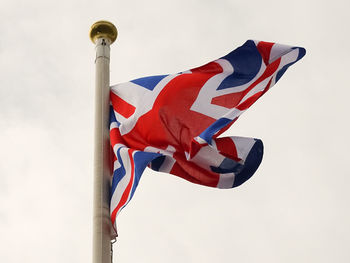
x: 259, y: 87
x: 289, y: 58
x: 243, y: 146
x: 226, y: 180
x: 277, y: 51
x: 123, y: 183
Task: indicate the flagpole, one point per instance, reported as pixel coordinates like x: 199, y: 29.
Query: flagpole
x: 102, y: 34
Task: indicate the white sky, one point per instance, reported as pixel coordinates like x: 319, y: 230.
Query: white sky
x: 295, y: 208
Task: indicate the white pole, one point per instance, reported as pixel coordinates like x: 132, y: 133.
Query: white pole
x: 103, y: 34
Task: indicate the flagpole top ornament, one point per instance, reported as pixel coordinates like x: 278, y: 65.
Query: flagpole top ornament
x: 103, y: 29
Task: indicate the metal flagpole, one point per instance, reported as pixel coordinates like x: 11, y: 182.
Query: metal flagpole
x: 102, y: 34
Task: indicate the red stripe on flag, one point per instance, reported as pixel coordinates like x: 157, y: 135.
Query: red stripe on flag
x: 195, y: 147
x: 115, y: 137
x: 192, y: 172
x: 228, y: 101
x: 165, y: 124
x: 233, y: 99
x: 209, y: 68
x: 269, y: 71
x: 121, y: 106
x: 265, y: 50
x: 127, y: 190
x: 227, y: 147
x: 248, y: 102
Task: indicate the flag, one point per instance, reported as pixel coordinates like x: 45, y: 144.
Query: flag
x: 171, y: 123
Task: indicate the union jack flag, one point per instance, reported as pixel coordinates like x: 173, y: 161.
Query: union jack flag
x: 171, y: 123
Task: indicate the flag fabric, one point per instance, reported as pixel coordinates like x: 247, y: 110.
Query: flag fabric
x: 171, y: 123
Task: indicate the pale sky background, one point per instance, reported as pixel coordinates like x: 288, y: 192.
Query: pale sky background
x: 294, y: 209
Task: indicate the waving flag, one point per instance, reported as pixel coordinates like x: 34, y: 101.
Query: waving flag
x: 171, y: 123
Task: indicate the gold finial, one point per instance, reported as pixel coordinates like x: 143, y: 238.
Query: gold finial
x: 103, y: 29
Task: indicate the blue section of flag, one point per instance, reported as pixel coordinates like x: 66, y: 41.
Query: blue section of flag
x: 141, y: 160
x: 149, y: 82
x: 251, y: 163
x: 118, y: 174
x: 157, y: 163
x: 246, y: 62
x: 228, y: 166
x: 112, y: 117
x: 214, y: 128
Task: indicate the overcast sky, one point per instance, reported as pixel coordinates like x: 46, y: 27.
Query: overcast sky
x: 294, y: 209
